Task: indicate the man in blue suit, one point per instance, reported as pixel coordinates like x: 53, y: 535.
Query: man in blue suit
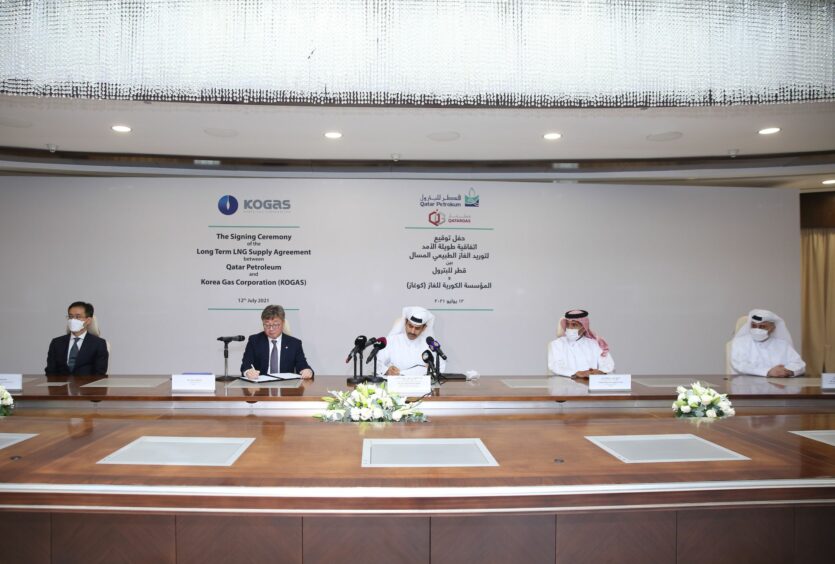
x: 79, y: 352
x: 271, y: 352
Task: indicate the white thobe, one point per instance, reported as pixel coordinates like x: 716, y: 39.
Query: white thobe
x: 757, y: 358
x: 567, y: 356
x: 405, y: 354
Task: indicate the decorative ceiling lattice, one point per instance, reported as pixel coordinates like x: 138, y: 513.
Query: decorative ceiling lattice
x: 458, y: 53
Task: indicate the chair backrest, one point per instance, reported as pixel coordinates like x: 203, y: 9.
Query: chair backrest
x: 560, y: 330
x: 286, y: 328
x: 739, y: 323
x: 93, y: 326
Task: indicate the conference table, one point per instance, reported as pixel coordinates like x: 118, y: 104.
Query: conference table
x: 508, y: 469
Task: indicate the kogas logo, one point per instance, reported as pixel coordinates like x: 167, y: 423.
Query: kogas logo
x: 267, y: 204
x: 436, y: 218
x: 471, y: 199
x: 227, y: 204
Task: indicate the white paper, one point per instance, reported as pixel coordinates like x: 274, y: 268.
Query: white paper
x: 12, y: 382
x: 610, y: 382
x: 192, y: 382
x: 410, y: 386
x: 828, y: 380
x: 273, y: 377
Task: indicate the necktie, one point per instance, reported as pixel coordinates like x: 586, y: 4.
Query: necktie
x: 274, y: 359
x: 73, y: 354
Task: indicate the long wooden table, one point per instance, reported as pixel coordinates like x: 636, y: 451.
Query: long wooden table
x: 300, y: 493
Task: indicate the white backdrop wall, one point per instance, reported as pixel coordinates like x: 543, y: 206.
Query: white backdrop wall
x: 664, y: 271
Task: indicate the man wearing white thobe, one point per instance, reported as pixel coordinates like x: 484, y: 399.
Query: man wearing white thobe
x: 406, y: 344
x: 579, y: 352
x: 763, y: 347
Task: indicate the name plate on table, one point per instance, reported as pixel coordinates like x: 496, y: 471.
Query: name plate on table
x: 610, y: 383
x: 828, y: 381
x: 410, y: 386
x: 192, y: 382
x: 12, y: 382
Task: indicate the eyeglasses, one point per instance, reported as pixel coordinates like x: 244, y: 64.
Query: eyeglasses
x: 273, y: 325
x: 77, y: 316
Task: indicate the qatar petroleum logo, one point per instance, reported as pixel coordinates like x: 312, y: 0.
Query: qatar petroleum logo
x: 436, y: 218
x: 227, y: 204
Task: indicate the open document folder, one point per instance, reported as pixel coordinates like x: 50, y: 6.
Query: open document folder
x: 271, y: 377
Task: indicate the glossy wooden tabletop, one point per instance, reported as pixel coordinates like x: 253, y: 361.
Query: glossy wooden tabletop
x: 543, y: 461
x: 493, y: 388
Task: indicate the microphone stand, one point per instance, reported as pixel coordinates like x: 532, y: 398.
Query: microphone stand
x: 358, y: 379
x: 226, y: 377
x: 375, y: 378
x: 438, y: 374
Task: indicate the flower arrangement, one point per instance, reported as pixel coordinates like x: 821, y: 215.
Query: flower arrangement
x: 368, y: 402
x: 701, y: 401
x: 6, y: 402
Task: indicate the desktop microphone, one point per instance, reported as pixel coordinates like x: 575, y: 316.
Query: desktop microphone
x: 435, y: 346
x: 228, y: 340
x: 379, y: 344
x: 359, y: 344
x: 428, y: 359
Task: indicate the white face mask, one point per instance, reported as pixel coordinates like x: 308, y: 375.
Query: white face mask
x: 572, y: 334
x: 759, y: 334
x: 75, y: 325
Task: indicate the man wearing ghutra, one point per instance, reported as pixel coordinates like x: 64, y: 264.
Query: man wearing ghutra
x: 579, y: 352
x: 406, y: 343
x: 763, y: 347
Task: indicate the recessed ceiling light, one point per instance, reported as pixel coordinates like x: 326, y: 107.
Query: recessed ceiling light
x: 333, y: 135
x: 828, y: 182
x: 665, y: 136
x: 769, y: 131
x: 444, y: 136
x: 121, y: 128
x: 552, y: 136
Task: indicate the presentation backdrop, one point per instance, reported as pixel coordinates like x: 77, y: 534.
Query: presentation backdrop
x: 172, y: 264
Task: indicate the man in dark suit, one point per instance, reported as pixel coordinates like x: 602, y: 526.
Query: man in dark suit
x: 271, y: 352
x: 79, y: 352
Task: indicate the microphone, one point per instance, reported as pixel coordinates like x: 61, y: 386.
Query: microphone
x: 228, y: 340
x: 359, y: 344
x: 435, y: 346
x: 379, y: 344
x: 428, y: 359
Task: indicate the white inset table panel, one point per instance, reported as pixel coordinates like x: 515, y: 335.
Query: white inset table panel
x: 273, y: 384
x: 51, y: 384
x: 663, y: 448
x: 9, y: 439
x: 420, y: 453
x: 118, y: 382
x: 826, y: 436
x: 800, y: 381
x: 670, y: 382
x: 180, y: 451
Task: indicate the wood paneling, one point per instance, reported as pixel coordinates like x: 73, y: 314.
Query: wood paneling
x: 366, y: 539
x: 494, y: 539
x: 731, y: 536
x: 814, y: 539
x: 112, y: 538
x: 817, y: 210
x: 645, y: 537
x: 207, y: 539
x: 24, y: 538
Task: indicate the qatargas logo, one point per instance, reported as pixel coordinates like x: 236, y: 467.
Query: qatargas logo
x: 227, y: 204
x: 437, y: 217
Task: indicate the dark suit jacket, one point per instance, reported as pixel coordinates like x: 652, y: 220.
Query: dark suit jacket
x: 257, y: 354
x: 92, y: 356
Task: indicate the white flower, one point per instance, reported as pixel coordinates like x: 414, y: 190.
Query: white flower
x: 365, y: 413
x: 681, y: 389
x: 693, y: 402
x: 710, y: 413
x: 355, y: 414
x: 675, y: 405
x: 377, y: 413
x: 706, y: 399
x: 685, y: 409
x: 397, y: 416
x: 336, y: 414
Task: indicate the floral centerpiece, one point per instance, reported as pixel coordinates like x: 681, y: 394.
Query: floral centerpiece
x: 6, y: 402
x: 368, y: 402
x: 701, y: 401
